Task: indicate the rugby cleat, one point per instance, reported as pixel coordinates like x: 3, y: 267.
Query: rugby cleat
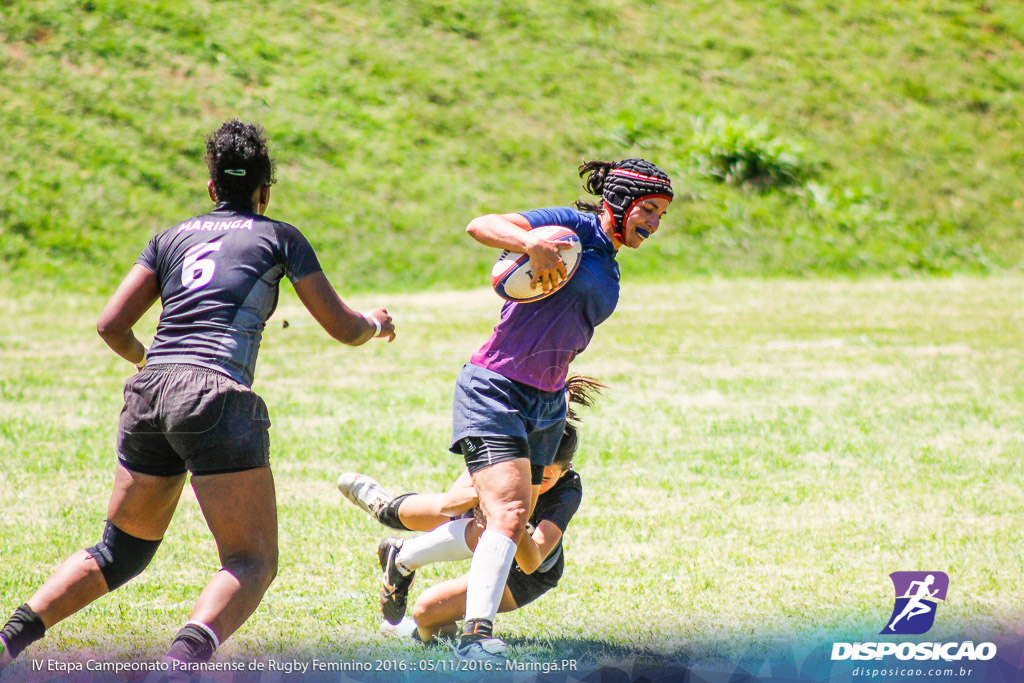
x: 487, y: 650
x: 364, y: 492
x: 394, y: 591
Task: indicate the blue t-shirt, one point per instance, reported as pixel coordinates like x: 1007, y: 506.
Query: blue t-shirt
x: 535, y: 342
x: 219, y: 275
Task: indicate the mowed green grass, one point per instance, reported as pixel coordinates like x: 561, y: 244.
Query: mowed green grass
x: 766, y: 454
x: 395, y: 122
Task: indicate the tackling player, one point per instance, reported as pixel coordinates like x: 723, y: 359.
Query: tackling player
x: 539, y: 558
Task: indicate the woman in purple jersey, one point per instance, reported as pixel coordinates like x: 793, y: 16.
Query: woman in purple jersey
x: 509, y: 408
x: 190, y: 408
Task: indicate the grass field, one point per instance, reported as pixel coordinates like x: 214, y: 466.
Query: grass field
x: 766, y: 454
x: 404, y: 119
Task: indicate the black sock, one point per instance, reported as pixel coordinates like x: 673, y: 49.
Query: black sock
x: 192, y: 644
x: 21, y: 630
x: 388, y: 515
x: 475, y: 630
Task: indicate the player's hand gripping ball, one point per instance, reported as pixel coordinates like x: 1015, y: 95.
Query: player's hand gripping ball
x: 511, y: 274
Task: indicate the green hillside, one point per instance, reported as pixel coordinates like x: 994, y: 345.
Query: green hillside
x: 895, y: 126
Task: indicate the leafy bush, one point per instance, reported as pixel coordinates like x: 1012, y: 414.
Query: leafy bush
x: 441, y: 110
x: 855, y: 230
x: 736, y: 152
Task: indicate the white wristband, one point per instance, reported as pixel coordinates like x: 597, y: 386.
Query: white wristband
x: 376, y: 324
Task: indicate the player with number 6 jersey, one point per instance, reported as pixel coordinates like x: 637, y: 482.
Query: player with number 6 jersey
x: 190, y: 408
x: 219, y: 276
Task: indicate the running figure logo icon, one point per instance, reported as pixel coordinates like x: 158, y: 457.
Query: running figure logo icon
x: 917, y: 594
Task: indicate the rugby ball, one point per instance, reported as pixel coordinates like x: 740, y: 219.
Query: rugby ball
x: 511, y: 273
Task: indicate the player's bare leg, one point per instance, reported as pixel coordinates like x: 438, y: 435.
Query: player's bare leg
x: 241, y: 510
x: 141, y: 507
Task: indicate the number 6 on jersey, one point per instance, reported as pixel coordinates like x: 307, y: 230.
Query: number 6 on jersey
x: 197, y: 272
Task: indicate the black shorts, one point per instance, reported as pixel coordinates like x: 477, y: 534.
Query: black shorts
x: 185, y: 417
x: 480, y: 452
x: 525, y: 588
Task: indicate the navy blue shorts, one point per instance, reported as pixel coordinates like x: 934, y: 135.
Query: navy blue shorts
x: 179, y: 417
x: 489, y: 404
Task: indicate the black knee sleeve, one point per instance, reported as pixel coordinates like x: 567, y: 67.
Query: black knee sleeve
x: 21, y: 630
x: 121, y: 556
x: 388, y: 515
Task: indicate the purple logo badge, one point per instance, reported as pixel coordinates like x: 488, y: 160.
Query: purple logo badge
x: 917, y: 595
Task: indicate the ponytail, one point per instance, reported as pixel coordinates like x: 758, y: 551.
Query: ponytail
x: 593, y: 174
x: 581, y: 391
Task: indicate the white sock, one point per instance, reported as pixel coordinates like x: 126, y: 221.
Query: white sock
x: 488, y: 574
x: 446, y: 543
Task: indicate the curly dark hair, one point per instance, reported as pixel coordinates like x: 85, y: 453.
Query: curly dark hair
x: 593, y: 174
x: 582, y: 391
x: 239, y: 161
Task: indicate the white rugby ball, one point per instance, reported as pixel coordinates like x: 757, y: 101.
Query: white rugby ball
x: 511, y: 274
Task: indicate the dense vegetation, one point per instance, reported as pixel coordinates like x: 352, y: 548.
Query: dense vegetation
x: 806, y: 136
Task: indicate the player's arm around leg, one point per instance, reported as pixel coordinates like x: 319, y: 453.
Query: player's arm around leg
x: 460, y: 497
x: 506, y: 496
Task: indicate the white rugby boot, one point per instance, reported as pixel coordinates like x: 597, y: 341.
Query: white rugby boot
x: 364, y: 492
